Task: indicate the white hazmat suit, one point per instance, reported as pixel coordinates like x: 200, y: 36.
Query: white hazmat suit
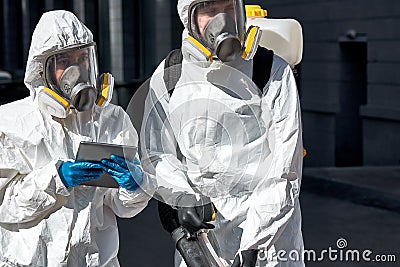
x: 241, y: 146
x: 43, y: 223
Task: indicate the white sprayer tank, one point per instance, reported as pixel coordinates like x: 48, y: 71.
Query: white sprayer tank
x: 283, y: 36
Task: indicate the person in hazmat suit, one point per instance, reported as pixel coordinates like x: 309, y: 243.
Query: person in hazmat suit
x: 47, y: 217
x: 219, y: 140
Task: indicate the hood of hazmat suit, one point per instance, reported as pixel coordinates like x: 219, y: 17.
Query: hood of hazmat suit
x: 43, y: 223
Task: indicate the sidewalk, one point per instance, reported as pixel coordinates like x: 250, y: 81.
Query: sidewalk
x: 371, y: 186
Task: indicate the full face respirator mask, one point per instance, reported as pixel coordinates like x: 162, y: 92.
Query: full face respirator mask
x: 219, y: 34
x: 217, y: 30
x: 72, y: 82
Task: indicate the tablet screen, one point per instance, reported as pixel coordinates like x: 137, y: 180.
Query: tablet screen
x: 93, y: 151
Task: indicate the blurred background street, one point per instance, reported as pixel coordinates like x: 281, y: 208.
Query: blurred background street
x: 328, y: 219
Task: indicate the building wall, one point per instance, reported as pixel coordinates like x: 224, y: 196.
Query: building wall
x: 349, y: 88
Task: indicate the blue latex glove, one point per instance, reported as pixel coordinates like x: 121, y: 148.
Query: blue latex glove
x: 127, y: 177
x: 75, y: 173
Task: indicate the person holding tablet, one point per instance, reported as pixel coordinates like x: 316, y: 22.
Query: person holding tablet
x: 47, y: 217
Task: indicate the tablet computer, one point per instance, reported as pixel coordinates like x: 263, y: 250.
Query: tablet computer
x: 95, y: 152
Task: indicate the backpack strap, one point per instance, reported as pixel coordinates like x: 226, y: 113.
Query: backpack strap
x: 172, y: 73
x: 262, y: 64
x: 172, y: 69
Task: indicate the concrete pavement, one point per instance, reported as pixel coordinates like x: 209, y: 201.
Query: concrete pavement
x: 371, y: 186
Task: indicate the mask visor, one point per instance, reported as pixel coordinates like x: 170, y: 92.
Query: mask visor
x: 70, y: 67
x: 228, y: 15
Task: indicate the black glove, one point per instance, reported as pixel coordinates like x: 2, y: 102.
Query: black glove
x: 249, y: 258
x: 194, y: 214
x: 168, y: 217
